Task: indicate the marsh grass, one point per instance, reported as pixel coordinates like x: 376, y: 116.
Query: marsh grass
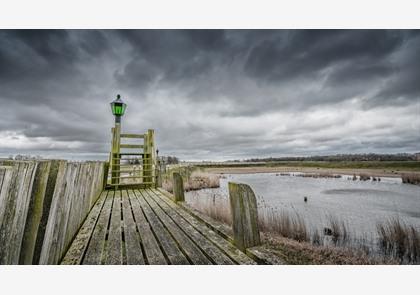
x: 195, y: 181
x: 288, y: 225
x: 412, y: 178
x: 340, y: 233
x: 319, y: 175
x: 399, y: 240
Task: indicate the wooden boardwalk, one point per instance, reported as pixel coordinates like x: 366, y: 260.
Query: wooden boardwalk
x: 144, y: 226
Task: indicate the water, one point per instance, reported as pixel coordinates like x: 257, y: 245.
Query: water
x: 360, y: 204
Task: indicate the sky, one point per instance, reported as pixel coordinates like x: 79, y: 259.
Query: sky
x: 211, y: 94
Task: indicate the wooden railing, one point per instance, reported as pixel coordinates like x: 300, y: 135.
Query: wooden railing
x: 42, y: 206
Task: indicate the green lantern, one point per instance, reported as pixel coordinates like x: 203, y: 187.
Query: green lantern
x: 118, y: 108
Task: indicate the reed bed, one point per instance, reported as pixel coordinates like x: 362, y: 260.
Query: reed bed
x: 195, y: 181
x: 397, y: 242
x: 412, y: 178
x: 319, y: 175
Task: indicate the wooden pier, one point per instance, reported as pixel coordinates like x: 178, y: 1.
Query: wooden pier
x: 145, y: 226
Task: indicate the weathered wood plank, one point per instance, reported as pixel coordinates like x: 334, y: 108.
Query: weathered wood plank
x: 133, y: 249
x: 243, y: 205
x: 168, y: 244
x: 34, y: 215
x: 77, y: 249
x: 55, y: 168
x: 113, y: 251
x: 233, y: 252
x: 193, y: 252
x: 215, y: 254
x: 127, y: 135
x: 16, y: 204
x: 131, y: 146
x: 178, y: 187
x: 150, y: 245
x: 97, y: 242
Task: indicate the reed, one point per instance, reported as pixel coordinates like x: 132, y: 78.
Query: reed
x: 195, y: 181
x: 412, y: 178
x: 288, y: 225
x: 399, y: 240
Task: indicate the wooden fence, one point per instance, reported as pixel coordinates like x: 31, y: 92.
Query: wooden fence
x: 42, y: 206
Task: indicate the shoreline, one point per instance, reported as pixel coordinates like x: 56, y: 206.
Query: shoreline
x: 342, y: 171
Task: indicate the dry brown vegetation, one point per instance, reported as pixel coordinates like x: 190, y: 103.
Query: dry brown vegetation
x: 284, y: 224
x: 398, y: 243
x: 412, y: 178
x: 399, y: 240
x: 294, y: 252
x: 319, y: 175
x: 195, y: 181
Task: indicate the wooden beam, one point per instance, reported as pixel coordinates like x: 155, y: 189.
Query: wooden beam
x: 178, y: 187
x: 126, y: 135
x: 131, y: 146
x: 243, y: 206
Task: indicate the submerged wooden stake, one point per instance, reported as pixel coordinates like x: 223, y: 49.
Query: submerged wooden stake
x: 243, y: 206
x: 178, y: 187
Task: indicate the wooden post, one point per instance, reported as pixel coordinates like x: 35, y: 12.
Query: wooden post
x: 243, y: 206
x: 149, y: 158
x: 115, y: 158
x: 178, y: 187
x: 158, y: 174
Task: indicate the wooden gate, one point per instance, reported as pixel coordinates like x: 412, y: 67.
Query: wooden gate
x: 132, y: 164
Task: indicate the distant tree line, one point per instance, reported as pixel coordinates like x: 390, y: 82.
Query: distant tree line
x: 169, y: 159
x: 342, y: 157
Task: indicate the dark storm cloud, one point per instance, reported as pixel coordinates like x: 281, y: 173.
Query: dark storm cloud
x: 212, y: 93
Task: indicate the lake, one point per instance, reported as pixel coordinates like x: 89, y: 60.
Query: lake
x: 360, y: 204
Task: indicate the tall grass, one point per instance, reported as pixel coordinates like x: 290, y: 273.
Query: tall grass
x: 195, y: 181
x: 339, y: 232
x: 412, y: 178
x: 288, y: 225
x: 399, y: 240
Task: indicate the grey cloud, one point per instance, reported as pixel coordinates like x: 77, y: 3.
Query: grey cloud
x: 212, y: 93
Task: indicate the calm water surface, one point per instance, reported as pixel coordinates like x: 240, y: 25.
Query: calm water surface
x: 360, y: 204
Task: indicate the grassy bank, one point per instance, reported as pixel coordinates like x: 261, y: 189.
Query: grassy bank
x: 384, y: 165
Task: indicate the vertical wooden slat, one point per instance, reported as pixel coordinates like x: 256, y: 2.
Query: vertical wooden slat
x: 243, y: 206
x: 178, y: 187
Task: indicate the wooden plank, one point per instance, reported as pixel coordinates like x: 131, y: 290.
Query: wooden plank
x: 233, y: 252
x: 215, y: 254
x: 127, y: 135
x: 150, y: 245
x: 194, y: 253
x: 78, y: 247
x: 169, y: 246
x: 133, y: 249
x: 113, y: 251
x: 97, y: 241
x: 131, y: 146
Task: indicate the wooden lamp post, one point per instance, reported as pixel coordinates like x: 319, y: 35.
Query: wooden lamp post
x: 118, y: 109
